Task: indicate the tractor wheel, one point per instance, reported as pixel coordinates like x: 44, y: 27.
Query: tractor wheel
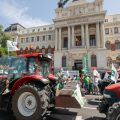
x: 29, y: 103
x: 114, y: 112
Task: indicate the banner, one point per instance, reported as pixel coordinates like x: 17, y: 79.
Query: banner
x: 85, y: 63
x: 114, y: 74
x: 12, y: 46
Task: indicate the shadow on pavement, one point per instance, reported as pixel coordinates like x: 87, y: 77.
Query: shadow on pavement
x: 6, y: 116
x: 93, y: 102
x: 61, y: 114
x: 95, y: 118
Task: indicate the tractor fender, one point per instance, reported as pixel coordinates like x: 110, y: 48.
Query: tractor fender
x: 51, y: 77
x: 28, y: 79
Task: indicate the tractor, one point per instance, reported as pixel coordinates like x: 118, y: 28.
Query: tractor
x: 110, y: 104
x: 28, y: 88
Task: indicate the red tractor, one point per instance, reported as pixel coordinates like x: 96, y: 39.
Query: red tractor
x: 29, y: 87
x: 110, y: 105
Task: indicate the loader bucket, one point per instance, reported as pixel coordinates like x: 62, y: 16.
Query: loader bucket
x: 70, y: 96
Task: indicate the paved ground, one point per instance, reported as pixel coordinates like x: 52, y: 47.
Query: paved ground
x: 89, y: 112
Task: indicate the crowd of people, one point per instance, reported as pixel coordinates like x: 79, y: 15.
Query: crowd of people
x: 89, y: 83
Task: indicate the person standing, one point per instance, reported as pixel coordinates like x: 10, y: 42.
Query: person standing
x: 82, y: 80
x: 86, y: 83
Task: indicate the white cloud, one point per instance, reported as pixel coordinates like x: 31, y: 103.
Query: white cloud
x: 15, y: 13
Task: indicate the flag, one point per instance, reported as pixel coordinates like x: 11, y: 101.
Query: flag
x: 96, y: 74
x: 12, y: 46
x: 85, y: 63
x: 114, y: 74
x: 107, y: 76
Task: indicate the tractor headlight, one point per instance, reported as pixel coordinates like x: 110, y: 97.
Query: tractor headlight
x: 107, y: 95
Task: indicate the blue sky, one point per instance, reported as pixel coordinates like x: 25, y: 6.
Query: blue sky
x: 38, y: 12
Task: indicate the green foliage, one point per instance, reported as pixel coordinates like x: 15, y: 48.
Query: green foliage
x: 3, y: 37
x: 3, y: 43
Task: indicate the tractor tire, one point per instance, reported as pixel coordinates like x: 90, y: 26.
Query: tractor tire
x: 29, y: 103
x: 114, y: 112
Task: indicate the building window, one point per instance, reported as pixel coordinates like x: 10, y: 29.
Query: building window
x: 44, y: 28
x: 43, y: 38
x: 26, y: 40
x: 38, y: 30
x: 43, y: 50
x: 49, y: 49
x: 32, y: 39
x: 106, y: 30
x: 21, y: 40
x: 117, y: 44
x: 118, y: 60
x: 93, y: 61
x: 50, y: 28
x: 65, y: 42
x: 106, y: 20
x: 108, y: 45
x: 115, y: 30
x: 33, y: 30
x: 26, y: 50
x: 38, y: 38
x: 49, y: 37
x: 109, y: 61
x: 92, y: 41
x: 78, y: 41
x: 63, y: 61
x: 21, y: 50
x: 37, y: 49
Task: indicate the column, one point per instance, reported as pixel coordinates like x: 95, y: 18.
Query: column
x: 82, y: 35
x: 60, y: 39
x: 69, y: 38
x: 87, y: 35
x: 98, y: 34
x: 56, y: 39
x: 73, y: 36
x: 102, y: 31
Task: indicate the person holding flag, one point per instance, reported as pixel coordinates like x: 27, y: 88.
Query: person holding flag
x: 114, y: 74
x: 96, y: 78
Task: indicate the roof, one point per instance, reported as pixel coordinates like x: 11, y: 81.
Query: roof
x: 35, y: 55
x: 31, y: 54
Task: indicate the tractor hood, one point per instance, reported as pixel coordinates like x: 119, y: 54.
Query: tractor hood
x: 114, y: 88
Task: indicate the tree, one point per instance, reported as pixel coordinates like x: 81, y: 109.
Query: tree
x: 3, y: 37
x: 3, y: 42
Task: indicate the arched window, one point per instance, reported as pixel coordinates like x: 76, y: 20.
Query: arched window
x: 49, y: 49
x: 108, y: 45
x: 43, y: 49
x: 37, y: 49
x: 117, y: 44
x: 26, y: 50
x: 109, y: 61
x: 63, y: 61
x: 118, y: 60
x: 21, y: 50
x: 93, y: 61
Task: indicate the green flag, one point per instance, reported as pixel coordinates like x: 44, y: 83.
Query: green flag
x: 85, y: 63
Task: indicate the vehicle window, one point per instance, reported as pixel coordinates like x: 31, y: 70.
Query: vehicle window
x: 32, y: 62
x: 43, y: 68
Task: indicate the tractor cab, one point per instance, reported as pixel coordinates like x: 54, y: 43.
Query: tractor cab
x: 32, y: 66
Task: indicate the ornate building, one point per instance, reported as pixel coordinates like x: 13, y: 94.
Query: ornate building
x: 79, y: 28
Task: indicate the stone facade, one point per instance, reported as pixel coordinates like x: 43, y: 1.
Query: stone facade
x: 79, y: 28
